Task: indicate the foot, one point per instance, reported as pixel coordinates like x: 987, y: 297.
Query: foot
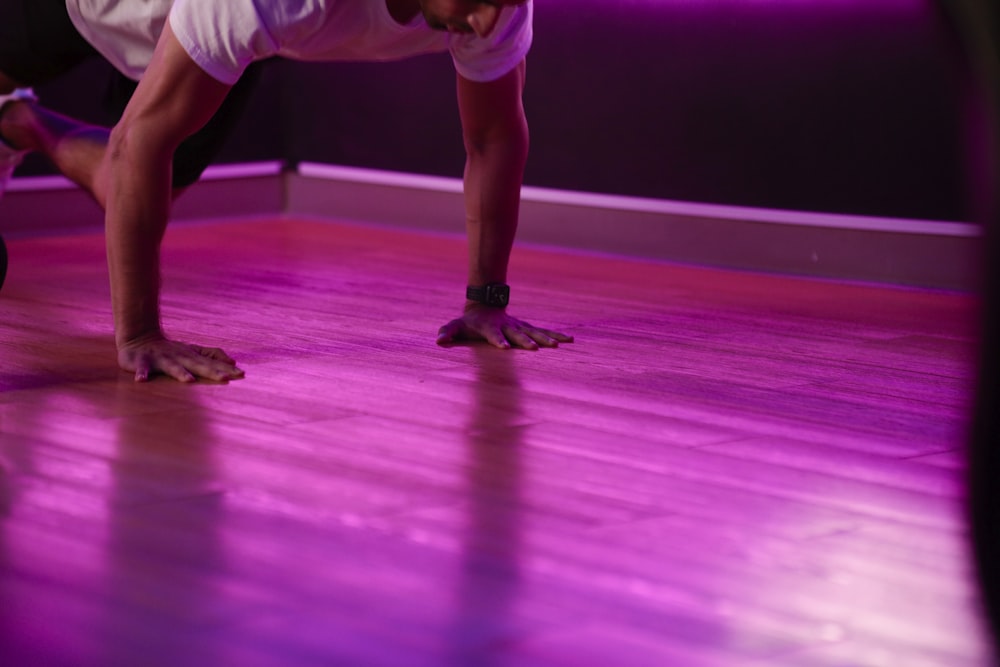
x: 10, y: 157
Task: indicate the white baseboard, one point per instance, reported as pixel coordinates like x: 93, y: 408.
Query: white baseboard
x: 925, y: 253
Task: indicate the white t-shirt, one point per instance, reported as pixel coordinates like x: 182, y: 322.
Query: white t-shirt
x: 318, y: 30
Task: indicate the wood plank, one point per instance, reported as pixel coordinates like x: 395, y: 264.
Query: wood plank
x: 726, y: 469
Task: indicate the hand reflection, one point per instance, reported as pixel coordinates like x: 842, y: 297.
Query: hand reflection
x: 110, y: 552
x: 488, y: 587
x: 165, y: 513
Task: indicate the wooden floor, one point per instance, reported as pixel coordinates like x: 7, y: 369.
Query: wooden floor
x: 723, y: 470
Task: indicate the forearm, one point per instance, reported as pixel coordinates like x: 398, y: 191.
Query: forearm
x: 137, y: 208
x: 493, y: 177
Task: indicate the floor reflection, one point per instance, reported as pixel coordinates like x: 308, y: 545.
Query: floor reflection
x: 491, y: 569
x: 110, y: 520
x: 53, y: 474
x: 165, y: 551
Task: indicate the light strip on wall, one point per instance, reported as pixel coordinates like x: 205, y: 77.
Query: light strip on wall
x: 652, y: 206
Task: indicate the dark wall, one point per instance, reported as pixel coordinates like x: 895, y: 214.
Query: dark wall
x: 822, y: 105
x: 827, y: 105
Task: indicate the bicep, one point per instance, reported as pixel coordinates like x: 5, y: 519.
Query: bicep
x: 492, y: 110
x: 175, y: 97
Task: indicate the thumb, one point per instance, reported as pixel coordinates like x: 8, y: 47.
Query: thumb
x: 450, y: 332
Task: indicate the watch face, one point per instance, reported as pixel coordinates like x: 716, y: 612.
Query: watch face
x: 497, y: 295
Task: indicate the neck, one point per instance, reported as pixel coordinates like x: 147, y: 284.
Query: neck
x: 403, y: 11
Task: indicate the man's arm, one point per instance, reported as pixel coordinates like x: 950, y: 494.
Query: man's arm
x: 174, y: 99
x: 496, y: 142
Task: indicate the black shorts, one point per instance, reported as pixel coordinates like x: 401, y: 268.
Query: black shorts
x: 38, y: 43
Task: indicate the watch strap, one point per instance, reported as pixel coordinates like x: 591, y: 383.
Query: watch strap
x: 495, y: 295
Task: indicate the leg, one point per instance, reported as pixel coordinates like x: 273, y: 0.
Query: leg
x: 38, y: 43
x: 10, y: 157
x: 76, y: 149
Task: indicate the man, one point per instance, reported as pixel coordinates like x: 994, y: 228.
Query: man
x: 201, y: 51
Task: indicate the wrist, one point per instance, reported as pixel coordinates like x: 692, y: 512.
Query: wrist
x: 490, y: 295
x: 126, y: 340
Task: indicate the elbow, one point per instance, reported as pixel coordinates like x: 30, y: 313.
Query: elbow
x: 136, y: 165
x: 117, y: 144
x: 511, y: 141
x: 110, y: 165
x: 131, y: 143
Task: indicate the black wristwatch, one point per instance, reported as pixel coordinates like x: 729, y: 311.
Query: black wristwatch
x: 494, y: 295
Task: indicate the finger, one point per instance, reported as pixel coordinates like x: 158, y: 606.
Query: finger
x: 217, y: 354
x: 450, y: 332
x: 175, y: 369
x: 142, y: 370
x: 519, y: 338
x: 219, y: 374
x: 215, y: 364
x: 555, y: 335
x: 211, y: 369
x: 496, y: 338
x: 228, y: 373
x: 542, y: 337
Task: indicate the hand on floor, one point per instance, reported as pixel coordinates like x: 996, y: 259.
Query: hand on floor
x: 183, y: 362
x: 498, y: 328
